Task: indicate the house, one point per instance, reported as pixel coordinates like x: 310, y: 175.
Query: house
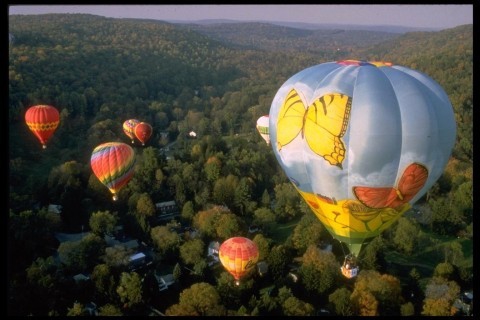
x: 136, y: 260
x: 254, y: 228
x: 54, y: 208
x: 262, y: 268
x: 213, y: 248
x: 80, y: 277
x: 164, y: 281
x: 212, y: 253
x: 212, y: 260
x: 91, y: 309
x: 130, y: 244
x: 167, y: 210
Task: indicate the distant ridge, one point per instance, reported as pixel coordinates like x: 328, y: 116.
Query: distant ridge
x: 313, y: 26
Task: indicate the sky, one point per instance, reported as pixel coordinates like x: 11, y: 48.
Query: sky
x: 438, y: 16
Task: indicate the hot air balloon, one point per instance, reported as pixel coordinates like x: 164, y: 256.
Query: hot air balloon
x: 113, y: 164
x: 361, y: 142
x: 42, y: 120
x: 128, y: 127
x: 143, y: 132
x: 262, y: 127
x: 238, y: 255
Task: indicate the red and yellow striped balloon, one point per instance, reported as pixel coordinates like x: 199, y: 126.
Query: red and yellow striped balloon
x: 113, y: 164
x: 238, y: 255
x: 42, y: 120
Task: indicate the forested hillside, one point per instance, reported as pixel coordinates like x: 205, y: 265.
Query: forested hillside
x: 215, y: 81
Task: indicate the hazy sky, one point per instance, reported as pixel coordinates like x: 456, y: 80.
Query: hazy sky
x: 425, y: 16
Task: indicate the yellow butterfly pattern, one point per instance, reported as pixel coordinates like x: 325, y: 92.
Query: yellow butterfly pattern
x: 322, y: 124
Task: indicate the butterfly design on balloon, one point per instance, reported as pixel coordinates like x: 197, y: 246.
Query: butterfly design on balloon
x: 322, y: 124
x: 375, y: 208
x: 411, y: 182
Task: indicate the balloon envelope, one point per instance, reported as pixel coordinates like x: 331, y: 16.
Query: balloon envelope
x: 143, y: 132
x: 128, y: 127
x: 113, y: 164
x: 361, y: 142
x: 262, y: 128
x: 42, y: 120
x: 238, y: 255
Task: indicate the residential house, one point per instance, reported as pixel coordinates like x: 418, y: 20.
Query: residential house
x: 167, y: 210
x: 164, y: 281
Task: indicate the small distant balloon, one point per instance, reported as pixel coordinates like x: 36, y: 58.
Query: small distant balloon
x: 42, y: 120
x: 143, y: 131
x: 262, y: 127
x: 128, y: 127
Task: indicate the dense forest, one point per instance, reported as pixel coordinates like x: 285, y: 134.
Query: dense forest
x: 216, y: 81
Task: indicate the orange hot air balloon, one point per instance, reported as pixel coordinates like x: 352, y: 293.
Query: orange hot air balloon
x: 238, y: 255
x: 42, y: 120
x: 128, y: 127
x: 143, y: 132
x: 113, y: 164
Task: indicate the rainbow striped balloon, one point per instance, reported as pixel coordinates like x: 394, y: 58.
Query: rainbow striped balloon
x: 238, y: 255
x: 113, y: 164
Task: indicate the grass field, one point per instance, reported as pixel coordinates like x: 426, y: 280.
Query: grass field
x: 427, y: 257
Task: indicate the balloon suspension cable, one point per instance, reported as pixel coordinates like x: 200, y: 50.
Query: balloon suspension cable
x: 341, y: 246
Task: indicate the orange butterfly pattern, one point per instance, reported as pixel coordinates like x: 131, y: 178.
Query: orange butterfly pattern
x: 412, y: 181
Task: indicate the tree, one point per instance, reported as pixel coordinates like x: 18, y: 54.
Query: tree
x: 307, y: 232
x: 319, y: 270
x: 266, y: 201
x: 278, y: 259
x: 224, y: 189
x: 130, y: 289
x: 286, y: 202
x: 201, y: 299
x: 406, y: 235
x: 453, y: 253
x: 166, y: 241
x: 103, y: 280
x: 102, y: 223
x: 228, y: 225
x: 187, y: 211
x: 206, y: 221
x: 177, y: 272
x: 444, y: 270
x: 145, y: 206
x: 109, y: 310
x: 296, y: 307
x: 242, y: 196
x: 265, y: 218
x: 376, y: 294
x: 340, y: 299
x: 83, y: 254
x: 372, y: 255
x: 263, y: 245
x: 440, y: 294
x: 407, y: 309
x: 78, y: 309
x: 117, y: 256
x: 192, y: 251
